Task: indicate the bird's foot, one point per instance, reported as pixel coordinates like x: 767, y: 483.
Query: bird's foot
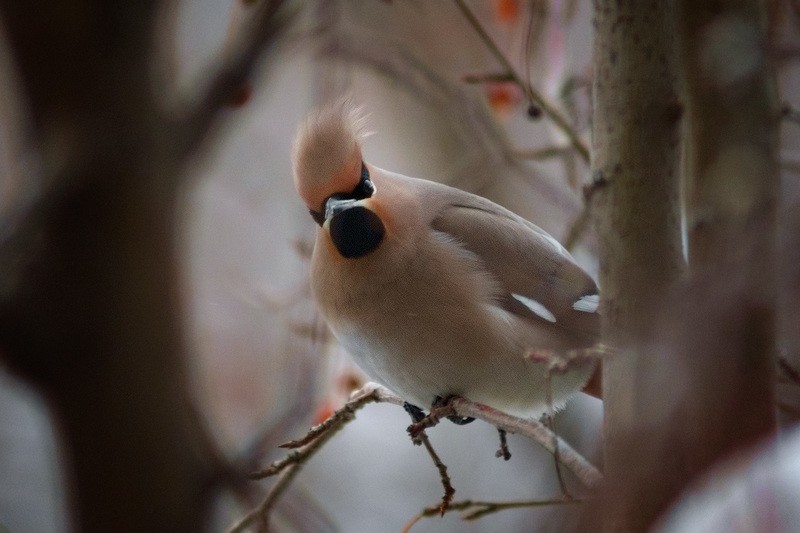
x: 440, y: 408
x: 414, y: 412
x: 444, y: 404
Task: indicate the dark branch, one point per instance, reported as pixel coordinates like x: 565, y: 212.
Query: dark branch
x: 270, y: 18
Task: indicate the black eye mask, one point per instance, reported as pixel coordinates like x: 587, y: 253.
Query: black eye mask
x: 364, y: 189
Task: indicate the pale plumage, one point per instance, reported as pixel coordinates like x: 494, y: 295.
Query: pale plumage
x: 433, y: 290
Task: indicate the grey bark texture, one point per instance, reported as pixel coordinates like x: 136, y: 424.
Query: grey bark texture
x: 694, y: 380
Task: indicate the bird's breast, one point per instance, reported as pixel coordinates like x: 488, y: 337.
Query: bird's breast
x: 424, y: 321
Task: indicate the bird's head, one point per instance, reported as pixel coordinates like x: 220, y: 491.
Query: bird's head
x: 332, y: 179
x: 327, y: 154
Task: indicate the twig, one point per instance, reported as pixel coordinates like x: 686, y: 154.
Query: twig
x: 550, y: 423
x: 401, y: 65
x: 534, y: 96
x: 503, y: 451
x: 449, y: 491
x: 307, y: 446
x: 269, y: 19
x: 487, y: 77
x: 437, y: 412
x: 260, y: 515
x: 576, y: 463
x: 488, y: 141
x: 790, y: 113
x: 537, y: 23
x: 317, y: 436
x: 340, y: 417
x: 562, y: 362
x: 472, y: 510
x: 289, y: 466
x: 578, y: 226
x: 542, y: 154
x: 791, y: 372
x: 583, y: 469
x: 532, y: 429
x: 599, y: 181
x: 225, y: 472
x: 418, y: 415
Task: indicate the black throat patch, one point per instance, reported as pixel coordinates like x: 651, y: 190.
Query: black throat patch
x: 356, y: 231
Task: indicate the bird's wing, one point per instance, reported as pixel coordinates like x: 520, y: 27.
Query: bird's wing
x: 538, y: 278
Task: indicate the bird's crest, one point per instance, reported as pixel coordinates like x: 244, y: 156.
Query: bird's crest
x: 327, y: 151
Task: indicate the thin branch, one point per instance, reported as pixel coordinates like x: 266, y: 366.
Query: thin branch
x: 790, y: 113
x: 534, y: 33
x: 550, y: 423
x: 503, y: 451
x: 579, y: 225
x: 472, y: 510
x: 449, y: 491
x: 289, y: 466
x: 537, y: 98
x: 399, y: 64
x: 490, y: 149
x: 307, y: 446
x: 225, y: 473
x: 533, y: 429
x: 442, y: 410
x: 337, y: 419
x: 271, y: 432
x: 791, y: 373
x: 416, y: 415
x: 318, y: 435
x: 543, y: 154
x: 583, y: 469
x: 260, y: 515
x: 562, y: 362
x: 487, y: 77
x: 269, y: 19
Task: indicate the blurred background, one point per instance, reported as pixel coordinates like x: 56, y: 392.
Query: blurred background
x: 263, y: 365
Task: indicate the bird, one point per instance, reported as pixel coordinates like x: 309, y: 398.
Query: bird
x: 436, y: 292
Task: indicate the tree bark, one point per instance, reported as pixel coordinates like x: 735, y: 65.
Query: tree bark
x: 733, y: 182
x: 89, y: 308
x: 695, y: 378
x: 636, y: 188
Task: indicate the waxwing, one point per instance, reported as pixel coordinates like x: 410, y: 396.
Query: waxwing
x: 435, y: 291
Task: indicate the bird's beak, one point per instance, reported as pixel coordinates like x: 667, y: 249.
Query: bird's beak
x: 334, y: 206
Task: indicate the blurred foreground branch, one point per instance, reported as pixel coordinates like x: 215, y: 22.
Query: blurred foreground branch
x: 695, y: 377
x: 636, y: 207
x: 265, y: 22
x: 90, y: 310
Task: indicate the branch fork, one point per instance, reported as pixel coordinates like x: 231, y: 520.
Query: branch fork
x: 305, y: 447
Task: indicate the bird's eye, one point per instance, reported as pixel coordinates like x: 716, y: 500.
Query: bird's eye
x: 365, y: 187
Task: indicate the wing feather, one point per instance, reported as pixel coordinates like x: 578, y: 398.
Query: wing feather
x: 539, y: 280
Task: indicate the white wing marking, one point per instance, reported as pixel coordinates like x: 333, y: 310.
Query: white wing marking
x: 587, y: 304
x: 540, y: 310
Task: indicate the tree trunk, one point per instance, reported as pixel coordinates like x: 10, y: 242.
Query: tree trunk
x: 635, y: 181
x: 88, y: 301
x: 732, y: 181
x: 695, y: 378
